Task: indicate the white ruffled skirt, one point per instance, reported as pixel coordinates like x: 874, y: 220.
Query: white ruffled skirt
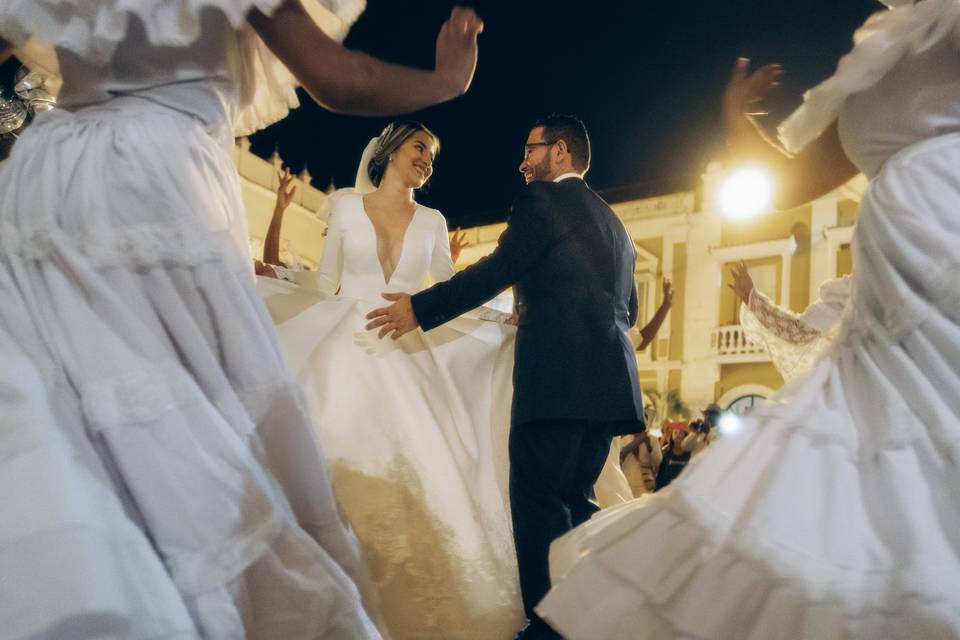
x: 415, y: 433
x: 835, y: 511
x: 158, y: 474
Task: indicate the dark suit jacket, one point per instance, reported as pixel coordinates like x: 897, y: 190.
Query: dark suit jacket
x: 572, y: 263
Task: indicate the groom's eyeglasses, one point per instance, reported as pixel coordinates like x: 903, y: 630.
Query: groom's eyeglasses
x: 530, y: 146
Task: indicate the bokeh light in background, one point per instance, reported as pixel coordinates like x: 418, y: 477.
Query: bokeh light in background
x: 746, y: 193
x: 730, y: 423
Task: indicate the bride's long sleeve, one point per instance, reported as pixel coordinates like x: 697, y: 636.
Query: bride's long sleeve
x: 441, y: 264
x: 326, y: 279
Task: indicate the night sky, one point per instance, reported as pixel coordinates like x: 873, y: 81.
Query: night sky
x: 645, y: 77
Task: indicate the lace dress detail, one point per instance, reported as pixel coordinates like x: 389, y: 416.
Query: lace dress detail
x: 795, y: 341
x: 786, y: 325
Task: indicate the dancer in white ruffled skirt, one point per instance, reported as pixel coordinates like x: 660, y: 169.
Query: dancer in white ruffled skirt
x: 835, y: 512
x: 159, y: 477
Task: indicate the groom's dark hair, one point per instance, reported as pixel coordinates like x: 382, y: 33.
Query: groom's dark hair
x: 571, y: 130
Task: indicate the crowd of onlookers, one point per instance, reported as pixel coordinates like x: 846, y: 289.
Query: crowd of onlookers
x: 651, y: 461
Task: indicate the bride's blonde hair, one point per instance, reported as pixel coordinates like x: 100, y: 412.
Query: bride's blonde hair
x: 389, y: 141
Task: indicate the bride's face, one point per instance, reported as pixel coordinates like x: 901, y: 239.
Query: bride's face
x: 413, y: 160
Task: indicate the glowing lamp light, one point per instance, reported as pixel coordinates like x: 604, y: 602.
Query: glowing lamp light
x: 729, y: 424
x: 746, y: 193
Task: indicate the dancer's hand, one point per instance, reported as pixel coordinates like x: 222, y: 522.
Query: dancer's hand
x: 397, y: 319
x: 746, y: 89
x: 667, y: 292
x: 457, y: 244
x: 261, y: 269
x: 284, y: 196
x: 457, y: 49
x: 742, y: 282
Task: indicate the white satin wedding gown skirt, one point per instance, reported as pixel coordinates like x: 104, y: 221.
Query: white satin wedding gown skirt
x: 415, y: 432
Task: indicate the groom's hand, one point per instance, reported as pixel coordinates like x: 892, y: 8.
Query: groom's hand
x: 398, y: 318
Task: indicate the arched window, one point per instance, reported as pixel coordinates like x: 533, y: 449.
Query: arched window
x: 743, y: 404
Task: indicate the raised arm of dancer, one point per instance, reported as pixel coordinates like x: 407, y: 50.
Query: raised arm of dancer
x: 821, y: 167
x: 782, y: 323
x: 458, y: 243
x: 352, y: 82
x: 649, y: 332
x: 271, y: 243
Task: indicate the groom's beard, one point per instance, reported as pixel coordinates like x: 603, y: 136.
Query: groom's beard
x: 540, y: 172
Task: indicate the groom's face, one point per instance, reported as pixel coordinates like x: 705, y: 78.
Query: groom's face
x: 536, y: 165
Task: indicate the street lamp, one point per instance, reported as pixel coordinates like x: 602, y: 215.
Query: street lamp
x: 746, y: 193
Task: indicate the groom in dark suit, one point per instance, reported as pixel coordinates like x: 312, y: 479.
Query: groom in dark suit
x: 571, y: 263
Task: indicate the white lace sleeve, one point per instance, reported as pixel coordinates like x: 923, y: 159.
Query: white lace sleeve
x: 784, y: 324
x: 441, y: 264
x: 793, y: 344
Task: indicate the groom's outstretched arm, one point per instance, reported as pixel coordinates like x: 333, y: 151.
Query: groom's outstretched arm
x: 529, y: 233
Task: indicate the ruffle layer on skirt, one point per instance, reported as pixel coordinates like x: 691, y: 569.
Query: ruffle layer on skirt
x: 160, y: 477
x: 92, y: 30
x: 833, y: 513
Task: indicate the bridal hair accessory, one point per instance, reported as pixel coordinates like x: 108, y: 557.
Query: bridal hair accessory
x: 29, y: 98
x: 883, y: 41
x: 374, y: 149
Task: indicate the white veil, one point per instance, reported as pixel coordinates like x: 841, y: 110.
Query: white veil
x: 362, y: 184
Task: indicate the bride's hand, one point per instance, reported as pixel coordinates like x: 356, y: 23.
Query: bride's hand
x: 457, y: 49
x: 747, y: 89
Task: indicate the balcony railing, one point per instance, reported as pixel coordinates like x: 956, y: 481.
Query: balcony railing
x: 731, y: 344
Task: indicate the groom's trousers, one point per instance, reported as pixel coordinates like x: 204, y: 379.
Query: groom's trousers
x: 553, y: 467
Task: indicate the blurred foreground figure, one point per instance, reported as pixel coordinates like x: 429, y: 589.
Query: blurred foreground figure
x: 832, y: 512
x: 160, y: 477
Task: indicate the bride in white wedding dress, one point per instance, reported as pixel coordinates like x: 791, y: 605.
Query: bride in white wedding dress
x: 835, y: 512
x: 414, y: 430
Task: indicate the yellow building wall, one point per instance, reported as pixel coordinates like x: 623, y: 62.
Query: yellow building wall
x: 776, y: 225
x: 847, y: 211
x: 800, y: 268
x: 653, y: 245
x: 676, y: 311
x: 675, y: 383
x: 844, y: 261
x: 735, y: 375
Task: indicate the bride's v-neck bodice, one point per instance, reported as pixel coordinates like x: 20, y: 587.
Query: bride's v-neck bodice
x: 350, y: 262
